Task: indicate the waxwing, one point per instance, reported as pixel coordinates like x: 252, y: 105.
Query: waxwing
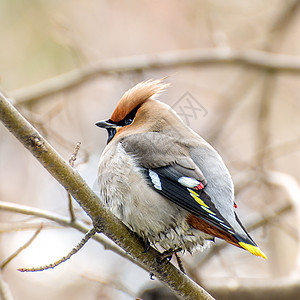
x: 163, y: 180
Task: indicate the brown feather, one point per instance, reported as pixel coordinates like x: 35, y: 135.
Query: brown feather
x: 137, y: 96
x: 205, y: 227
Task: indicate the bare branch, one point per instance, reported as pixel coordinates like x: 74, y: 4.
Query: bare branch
x: 281, y: 24
x: 21, y: 226
x: 63, y: 221
x: 112, y: 284
x: 11, y: 257
x: 292, y: 188
x: 192, y: 57
x: 70, y: 207
x: 263, y: 122
x: 88, y: 235
x: 74, y: 155
x: 72, y: 162
x: 103, y: 220
x: 5, y: 293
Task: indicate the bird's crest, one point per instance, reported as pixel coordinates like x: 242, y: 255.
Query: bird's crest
x: 137, y: 96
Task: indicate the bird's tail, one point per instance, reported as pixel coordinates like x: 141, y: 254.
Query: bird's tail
x: 246, y: 242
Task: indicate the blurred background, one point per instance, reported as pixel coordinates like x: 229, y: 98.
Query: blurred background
x: 234, y: 70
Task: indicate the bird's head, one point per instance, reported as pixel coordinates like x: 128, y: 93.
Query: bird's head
x: 137, y: 111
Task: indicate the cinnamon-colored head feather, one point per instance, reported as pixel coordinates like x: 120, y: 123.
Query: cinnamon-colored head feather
x: 137, y: 96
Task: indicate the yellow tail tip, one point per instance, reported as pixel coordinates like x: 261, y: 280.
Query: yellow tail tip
x: 253, y: 249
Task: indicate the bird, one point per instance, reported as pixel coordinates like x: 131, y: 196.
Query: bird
x: 163, y: 180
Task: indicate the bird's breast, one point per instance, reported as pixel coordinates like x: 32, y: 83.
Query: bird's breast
x: 125, y: 191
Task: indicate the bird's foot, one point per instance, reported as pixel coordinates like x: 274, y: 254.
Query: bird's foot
x: 147, y: 246
x: 179, y: 262
x: 167, y: 256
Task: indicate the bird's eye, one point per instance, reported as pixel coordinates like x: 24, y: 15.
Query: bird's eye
x: 129, y: 118
x: 128, y: 121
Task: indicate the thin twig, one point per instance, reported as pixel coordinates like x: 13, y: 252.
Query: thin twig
x: 292, y: 188
x: 56, y: 136
x: 87, y: 236
x: 22, y: 226
x: 71, y: 163
x: 70, y: 208
x: 231, y: 103
x: 16, y: 253
x: 277, y: 32
x: 112, y: 284
x: 192, y: 57
x: 282, y: 149
x: 63, y: 221
x: 74, y: 155
x: 263, y: 122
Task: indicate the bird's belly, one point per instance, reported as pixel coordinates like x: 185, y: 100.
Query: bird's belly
x: 125, y: 192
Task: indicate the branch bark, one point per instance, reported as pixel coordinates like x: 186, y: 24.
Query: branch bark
x: 181, y: 285
x: 193, y: 57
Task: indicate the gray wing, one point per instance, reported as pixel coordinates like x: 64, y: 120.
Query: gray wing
x: 170, y: 169
x: 156, y: 150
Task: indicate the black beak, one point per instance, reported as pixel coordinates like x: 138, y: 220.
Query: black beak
x: 106, y: 124
x: 110, y: 127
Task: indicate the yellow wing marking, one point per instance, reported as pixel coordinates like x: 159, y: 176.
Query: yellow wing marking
x: 193, y: 192
x: 209, y: 211
x: 199, y: 200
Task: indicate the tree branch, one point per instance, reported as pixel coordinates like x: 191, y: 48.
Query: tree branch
x: 192, y: 57
x: 84, y: 240
x: 63, y: 221
x: 5, y: 293
x: 112, y: 227
x: 18, y: 251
